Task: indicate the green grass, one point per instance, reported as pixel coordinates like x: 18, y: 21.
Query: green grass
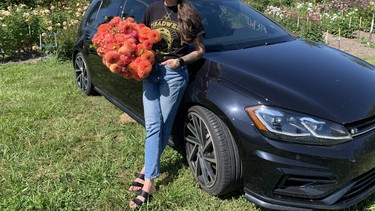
x: 61, y: 150
x: 371, y: 61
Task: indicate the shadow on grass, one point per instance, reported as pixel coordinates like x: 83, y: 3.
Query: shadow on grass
x: 171, y: 168
x: 233, y: 195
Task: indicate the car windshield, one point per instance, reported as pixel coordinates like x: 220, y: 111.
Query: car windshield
x: 231, y: 25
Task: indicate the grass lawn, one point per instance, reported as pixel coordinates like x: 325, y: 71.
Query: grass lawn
x: 62, y: 150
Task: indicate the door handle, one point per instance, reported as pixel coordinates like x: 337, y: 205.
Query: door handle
x: 87, y: 37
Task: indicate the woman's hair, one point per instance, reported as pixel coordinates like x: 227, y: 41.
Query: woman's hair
x: 189, y: 22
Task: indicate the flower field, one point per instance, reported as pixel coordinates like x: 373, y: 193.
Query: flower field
x: 311, y: 19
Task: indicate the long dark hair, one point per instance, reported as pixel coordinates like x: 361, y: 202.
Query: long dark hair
x: 189, y: 22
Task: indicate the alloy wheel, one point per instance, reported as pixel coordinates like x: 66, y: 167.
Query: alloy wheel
x: 81, y: 73
x: 200, y: 150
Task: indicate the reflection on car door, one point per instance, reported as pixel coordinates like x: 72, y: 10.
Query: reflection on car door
x: 102, y: 12
x: 129, y: 91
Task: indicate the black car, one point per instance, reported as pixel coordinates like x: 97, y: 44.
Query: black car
x: 290, y: 121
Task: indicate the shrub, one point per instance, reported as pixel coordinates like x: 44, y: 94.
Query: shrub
x: 62, y: 21
x: 19, y: 29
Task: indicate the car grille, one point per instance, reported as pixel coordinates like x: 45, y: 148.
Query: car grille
x: 361, y: 127
x: 360, y: 185
x: 310, y: 187
x: 318, y: 190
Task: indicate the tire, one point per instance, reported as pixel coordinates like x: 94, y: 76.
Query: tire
x: 211, y: 152
x: 83, y: 75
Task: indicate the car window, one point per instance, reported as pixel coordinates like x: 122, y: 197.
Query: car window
x: 233, y: 25
x: 134, y: 9
x: 93, y: 14
x: 103, y: 12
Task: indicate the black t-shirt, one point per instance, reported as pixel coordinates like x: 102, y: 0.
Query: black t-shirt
x: 164, y: 19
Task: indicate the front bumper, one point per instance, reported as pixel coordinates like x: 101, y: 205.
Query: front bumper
x: 288, y: 176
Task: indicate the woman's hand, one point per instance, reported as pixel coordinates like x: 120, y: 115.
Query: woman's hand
x: 193, y: 56
x: 171, y: 63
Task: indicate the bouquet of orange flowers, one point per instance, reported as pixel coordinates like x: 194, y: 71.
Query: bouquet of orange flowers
x: 125, y: 47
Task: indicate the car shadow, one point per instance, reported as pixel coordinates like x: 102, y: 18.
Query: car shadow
x: 172, y: 168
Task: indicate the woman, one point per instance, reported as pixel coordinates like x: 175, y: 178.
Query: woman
x: 179, y: 25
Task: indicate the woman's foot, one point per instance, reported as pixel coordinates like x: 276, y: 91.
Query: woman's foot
x: 145, y: 194
x: 137, y: 185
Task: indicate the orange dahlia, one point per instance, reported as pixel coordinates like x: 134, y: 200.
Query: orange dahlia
x: 148, y: 44
x: 120, y: 38
x: 115, y: 68
x: 104, y: 27
x: 141, y: 48
x: 148, y: 56
x: 114, y: 21
x: 130, y: 20
x: 124, y: 60
x: 112, y: 57
x: 130, y: 46
x: 143, y: 32
x: 144, y: 67
x: 154, y: 36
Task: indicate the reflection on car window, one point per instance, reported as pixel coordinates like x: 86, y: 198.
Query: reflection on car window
x: 233, y: 25
x: 134, y: 9
x: 93, y: 15
x: 103, y: 12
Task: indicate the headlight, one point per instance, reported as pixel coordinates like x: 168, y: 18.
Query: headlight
x: 290, y: 126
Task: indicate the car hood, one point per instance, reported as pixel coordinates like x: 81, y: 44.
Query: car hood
x: 304, y: 76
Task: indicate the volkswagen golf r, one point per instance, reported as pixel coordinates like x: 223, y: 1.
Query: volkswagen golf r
x: 290, y: 121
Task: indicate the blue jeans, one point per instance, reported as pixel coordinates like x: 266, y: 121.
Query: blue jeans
x: 162, y: 93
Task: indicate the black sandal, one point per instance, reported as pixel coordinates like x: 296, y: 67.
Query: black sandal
x: 145, y: 195
x: 137, y: 184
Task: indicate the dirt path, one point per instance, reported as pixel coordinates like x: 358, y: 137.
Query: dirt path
x: 356, y: 46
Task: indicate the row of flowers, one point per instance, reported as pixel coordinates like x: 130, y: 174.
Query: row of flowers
x: 335, y: 16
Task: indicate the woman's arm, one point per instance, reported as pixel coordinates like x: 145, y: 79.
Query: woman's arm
x: 191, y: 57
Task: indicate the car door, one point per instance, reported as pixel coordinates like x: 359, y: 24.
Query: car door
x: 128, y: 92
x: 125, y: 93
x: 103, y: 11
